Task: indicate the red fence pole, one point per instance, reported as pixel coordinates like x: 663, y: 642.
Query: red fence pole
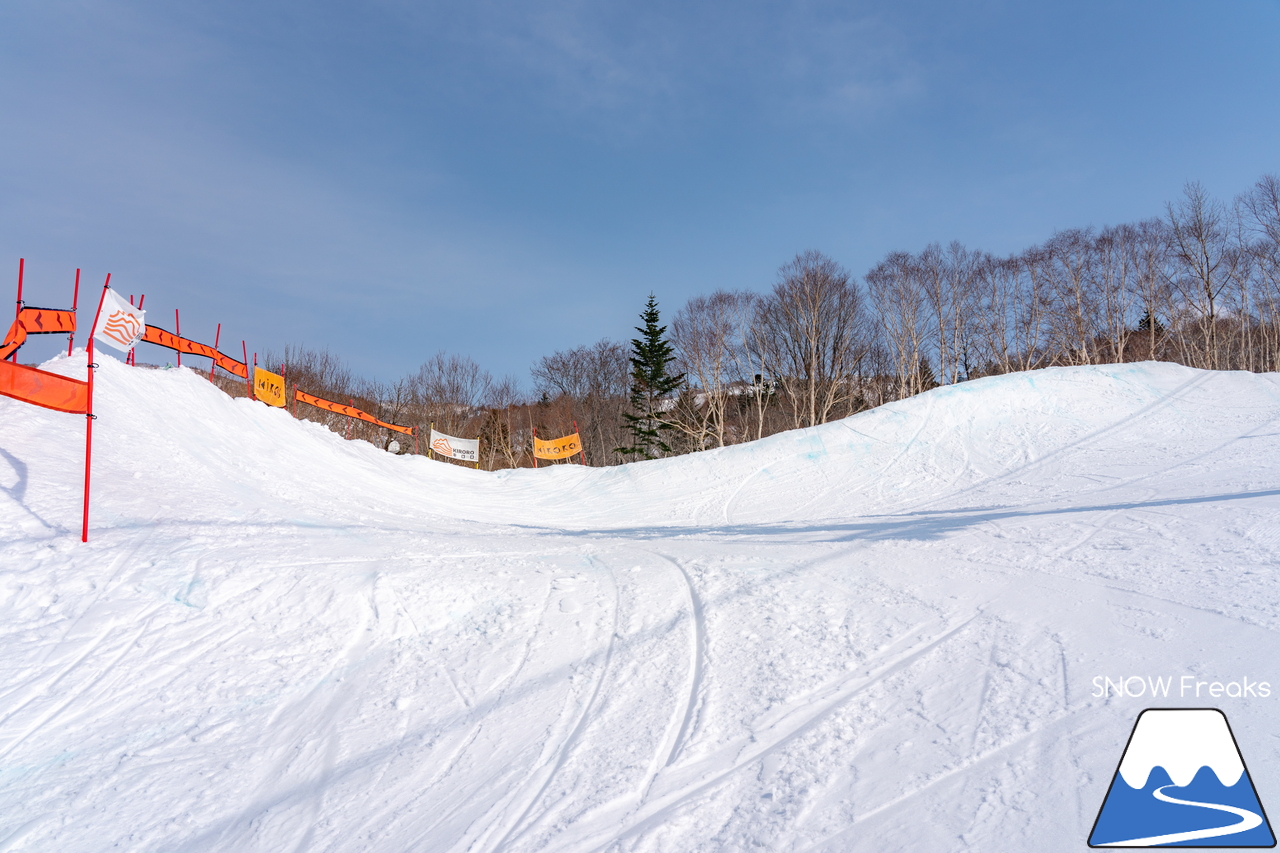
x: 177, y: 330
x: 132, y: 357
x: 214, y: 366
x: 248, y: 374
x: 89, y: 418
x: 581, y: 447
x: 75, y: 300
x: 22, y: 262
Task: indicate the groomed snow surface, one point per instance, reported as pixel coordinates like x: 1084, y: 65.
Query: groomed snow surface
x: 877, y: 635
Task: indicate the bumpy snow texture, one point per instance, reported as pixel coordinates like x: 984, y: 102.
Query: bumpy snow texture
x: 877, y: 635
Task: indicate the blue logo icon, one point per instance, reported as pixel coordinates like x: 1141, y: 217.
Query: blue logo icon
x: 1181, y: 783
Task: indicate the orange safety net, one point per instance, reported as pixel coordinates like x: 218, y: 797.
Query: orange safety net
x: 42, y: 388
x: 349, y: 411
x: 159, y: 337
x: 37, y: 321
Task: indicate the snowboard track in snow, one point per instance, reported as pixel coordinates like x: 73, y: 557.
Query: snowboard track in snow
x: 697, y: 656
x: 519, y: 827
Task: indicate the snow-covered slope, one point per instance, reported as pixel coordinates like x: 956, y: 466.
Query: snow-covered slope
x: 882, y: 634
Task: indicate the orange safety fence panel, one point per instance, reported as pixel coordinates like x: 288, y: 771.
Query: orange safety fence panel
x: 349, y: 411
x: 41, y: 388
x: 16, y: 337
x: 47, y: 321
x: 557, y: 448
x: 159, y: 337
x: 37, y: 321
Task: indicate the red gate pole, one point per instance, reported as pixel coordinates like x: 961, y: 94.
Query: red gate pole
x: 88, y: 416
x: 214, y: 366
x: 248, y: 382
x: 132, y: 358
x: 177, y: 330
x: 22, y: 262
x: 71, y: 338
x: 581, y: 446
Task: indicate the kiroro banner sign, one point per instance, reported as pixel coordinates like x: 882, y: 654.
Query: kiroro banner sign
x: 451, y: 447
x: 557, y: 448
x: 268, y: 387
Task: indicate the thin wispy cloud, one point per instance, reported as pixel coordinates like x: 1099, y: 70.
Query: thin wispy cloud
x: 558, y: 161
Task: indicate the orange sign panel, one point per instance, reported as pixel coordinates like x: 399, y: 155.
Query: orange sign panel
x: 557, y: 448
x: 268, y: 387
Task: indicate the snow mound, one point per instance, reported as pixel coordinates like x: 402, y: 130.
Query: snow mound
x: 886, y: 633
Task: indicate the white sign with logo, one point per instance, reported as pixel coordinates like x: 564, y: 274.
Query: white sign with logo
x: 466, y: 449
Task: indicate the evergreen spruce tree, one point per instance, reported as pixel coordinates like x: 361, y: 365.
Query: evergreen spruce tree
x: 650, y: 386
x: 1148, y: 323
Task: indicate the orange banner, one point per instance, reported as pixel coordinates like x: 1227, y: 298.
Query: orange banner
x: 42, y: 388
x: 159, y: 337
x: 17, y: 337
x: 349, y: 411
x: 37, y: 321
x: 47, y: 321
x: 268, y: 387
x: 557, y: 448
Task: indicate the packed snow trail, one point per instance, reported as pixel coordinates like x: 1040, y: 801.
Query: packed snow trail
x: 880, y: 634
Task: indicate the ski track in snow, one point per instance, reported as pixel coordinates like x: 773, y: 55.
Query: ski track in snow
x: 876, y: 635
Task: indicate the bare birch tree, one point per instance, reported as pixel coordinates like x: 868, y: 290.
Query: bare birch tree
x: 900, y: 304
x: 449, y: 391
x: 812, y: 328
x: 1206, y: 259
x: 705, y: 334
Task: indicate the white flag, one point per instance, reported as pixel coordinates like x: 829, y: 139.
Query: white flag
x: 466, y: 449
x: 119, y: 324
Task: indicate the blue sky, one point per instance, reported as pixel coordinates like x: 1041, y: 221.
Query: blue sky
x: 502, y: 180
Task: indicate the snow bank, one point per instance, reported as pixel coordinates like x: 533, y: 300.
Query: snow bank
x: 880, y: 634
